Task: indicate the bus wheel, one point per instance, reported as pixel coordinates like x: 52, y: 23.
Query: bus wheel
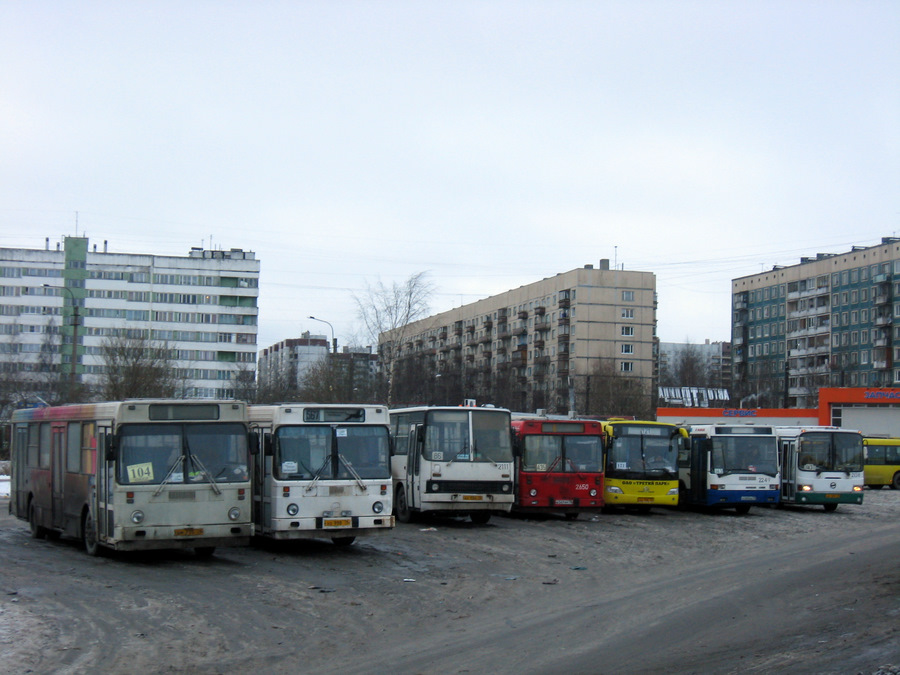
x: 37, y: 532
x: 830, y: 508
x: 742, y: 509
x: 204, y: 551
x: 401, y: 508
x: 571, y: 516
x: 342, y: 541
x: 480, y: 518
x: 89, y: 535
x: 895, y: 484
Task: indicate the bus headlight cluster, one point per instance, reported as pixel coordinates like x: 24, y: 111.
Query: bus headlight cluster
x: 234, y: 513
x: 378, y: 507
x: 593, y: 492
x: 614, y: 490
x: 533, y: 492
x: 506, y: 487
x: 293, y: 510
x: 806, y: 488
x: 137, y: 517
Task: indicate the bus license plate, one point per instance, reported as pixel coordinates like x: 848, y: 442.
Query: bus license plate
x: 565, y: 502
x: 832, y: 496
x: 336, y: 522
x: 644, y: 499
x: 745, y: 498
x: 472, y: 498
x: 189, y: 532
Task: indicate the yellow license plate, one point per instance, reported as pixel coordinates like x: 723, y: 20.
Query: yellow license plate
x: 337, y: 522
x: 472, y: 498
x: 644, y: 499
x: 832, y: 496
x: 189, y: 532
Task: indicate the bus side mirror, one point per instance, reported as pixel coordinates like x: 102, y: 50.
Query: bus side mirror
x: 268, y: 445
x: 253, y: 442
x: 110, y: 449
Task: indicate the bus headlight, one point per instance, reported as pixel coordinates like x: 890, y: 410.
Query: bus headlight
x: 234, y: 513
x: 615, y: 490
x: 293, y: 510
x: 857, y: 488
x: 377, y: 507
x: 593, y: 492
x: 673, y: 491
x: 137, y: 517
x: 533, y: 492
x: 805, y: 488
x: 506, y: 487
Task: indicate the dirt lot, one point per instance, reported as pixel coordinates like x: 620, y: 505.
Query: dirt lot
x: 779, y: 590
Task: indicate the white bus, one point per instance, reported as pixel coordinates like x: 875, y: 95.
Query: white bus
x: 452, y: 460
x: 324, y: 471
x: 729, y: 466
x: 821, y: 465
x: 134, y: 475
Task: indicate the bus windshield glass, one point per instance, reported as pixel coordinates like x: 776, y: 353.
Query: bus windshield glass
x: 307, y: 452
x: 562, y: 453
x: 365, y: 449
x: 644, y: 451
x: 823, y: 451
x: 447, y: 436
x: 182, y: 453
x: 744, y: 454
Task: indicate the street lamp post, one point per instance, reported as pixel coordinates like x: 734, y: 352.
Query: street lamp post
x: 75, y: 321
x: 333, y: 339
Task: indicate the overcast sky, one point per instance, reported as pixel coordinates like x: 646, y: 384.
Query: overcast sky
x: 490, y: 143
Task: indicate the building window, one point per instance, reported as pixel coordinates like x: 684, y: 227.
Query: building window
x: 627, y: 296
x: 628, y: 349
x: 627, y: 331
x: 627, y: 313
x: 627, y: 366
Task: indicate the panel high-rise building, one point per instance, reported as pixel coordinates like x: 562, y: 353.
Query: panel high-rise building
x: 539, y: 346
x: 201, y: 307
x: 832, y: 320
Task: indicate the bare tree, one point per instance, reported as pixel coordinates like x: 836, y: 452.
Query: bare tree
x: 611, y: 393
x: 386, y: 311
x: 278, y: 386
x: 245, y: 383
x: 135, y: 367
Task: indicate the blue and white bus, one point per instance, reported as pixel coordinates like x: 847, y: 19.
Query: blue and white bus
x: 729, y: 466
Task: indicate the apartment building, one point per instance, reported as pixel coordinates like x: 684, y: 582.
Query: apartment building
x: 540, y: 346
x: 832, y: 320
x: 695, y: 374
x: 286, y: 363
x: 70, y: 298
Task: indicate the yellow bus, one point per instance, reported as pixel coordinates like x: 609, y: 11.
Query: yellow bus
x: 882, y: 462
x: 642, y: 463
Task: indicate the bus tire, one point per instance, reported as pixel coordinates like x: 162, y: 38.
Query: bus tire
x: 401, y: 508
x: 895, y: 483
x: 480, y: 517
x: 204, y: 552
x: 342, y: 541
x: 830, y: 508
x: 742, y: 509
x: 37, y: 532
x: 89, y: 535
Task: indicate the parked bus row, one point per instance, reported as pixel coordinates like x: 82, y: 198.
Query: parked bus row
x: 144, y: 474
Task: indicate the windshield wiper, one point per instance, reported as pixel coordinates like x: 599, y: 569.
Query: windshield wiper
x: 212, y: 481
x: 458, y: 453
x: 318, y: 474
x: 178, y: 462
x: 359, y: 481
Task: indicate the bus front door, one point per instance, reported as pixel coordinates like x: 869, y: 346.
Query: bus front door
x: 788, y: 470
x: 413, y: 466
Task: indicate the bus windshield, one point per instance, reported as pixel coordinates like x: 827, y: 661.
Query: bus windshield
x: 182, y: 453
x: 823, y: 451
x: 744, y: 454
x: 307, y: 452
x: 638, y: 452
x: 562, y: 453
x: 447, y: 436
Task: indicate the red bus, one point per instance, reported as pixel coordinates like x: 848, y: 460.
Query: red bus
x: 559, y: 465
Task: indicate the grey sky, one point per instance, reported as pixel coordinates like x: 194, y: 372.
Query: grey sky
x: 491, y: 143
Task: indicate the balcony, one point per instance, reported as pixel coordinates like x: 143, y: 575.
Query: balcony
x: 523, y: 314
x: 540, y: 311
